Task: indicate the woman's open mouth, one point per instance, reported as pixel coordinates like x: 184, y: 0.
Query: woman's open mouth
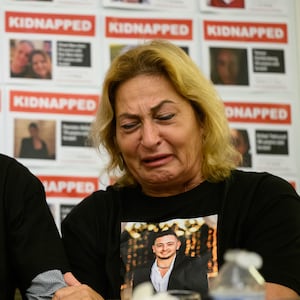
x: 157, y: 160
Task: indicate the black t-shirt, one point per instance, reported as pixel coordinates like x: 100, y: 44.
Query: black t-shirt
x: 256, y: 211
x: 29, y: 240
x: 200, y: 201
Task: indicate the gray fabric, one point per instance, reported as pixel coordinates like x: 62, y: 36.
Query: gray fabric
x: 44, y: 285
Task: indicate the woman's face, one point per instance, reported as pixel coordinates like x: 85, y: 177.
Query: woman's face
x: 228, y: 66
x: 158, y: 135
x: 40, y: 65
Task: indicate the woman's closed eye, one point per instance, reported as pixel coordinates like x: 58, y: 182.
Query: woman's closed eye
x: 165, y: 117
x: 130, y: 125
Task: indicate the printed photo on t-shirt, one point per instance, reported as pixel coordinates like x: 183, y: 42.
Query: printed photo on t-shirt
x: 176, y: 254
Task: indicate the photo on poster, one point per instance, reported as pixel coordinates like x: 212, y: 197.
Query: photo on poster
x: 30, y: 59
x: 185, y: 249
x: 117, y: 49
x: 229, y: 66
x: 241, y: 141
x: 35, y: 139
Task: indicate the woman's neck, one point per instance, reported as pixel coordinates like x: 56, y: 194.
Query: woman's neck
x: 167, y: 190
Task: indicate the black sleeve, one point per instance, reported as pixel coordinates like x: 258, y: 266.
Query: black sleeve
x: 85, y: 241
x: 273, y: 230
x: 34, y: 242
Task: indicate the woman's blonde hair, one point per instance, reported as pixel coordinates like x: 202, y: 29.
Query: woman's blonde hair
x: 160, y: 57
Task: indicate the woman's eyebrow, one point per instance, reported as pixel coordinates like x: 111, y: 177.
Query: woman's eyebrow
x: 159, y: 105
x: 127, y: 116
x: 152, y: 109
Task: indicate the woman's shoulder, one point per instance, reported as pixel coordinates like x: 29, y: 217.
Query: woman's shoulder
x: 6, y: 160
x: 268, y: 182
x: 11, y: 166
x: 102, y: 200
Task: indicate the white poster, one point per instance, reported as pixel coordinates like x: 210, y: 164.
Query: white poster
x: 51, y: 47
x: 248, y: 54
x: 182, y: 5
x: 53, y: 3
x: 262, y: 131
x: 59, y: 119
x: 64, y: 188
x: 123, y: 32
x: 246, y: 6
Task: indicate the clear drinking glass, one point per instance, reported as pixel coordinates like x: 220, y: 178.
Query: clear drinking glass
x: 184, y: 294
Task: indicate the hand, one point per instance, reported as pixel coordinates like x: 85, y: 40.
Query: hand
x: 77, y: 292
x: 70, y: 279
x: 277, y: 291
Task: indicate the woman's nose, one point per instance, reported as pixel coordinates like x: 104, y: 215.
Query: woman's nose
x: 150, y: 135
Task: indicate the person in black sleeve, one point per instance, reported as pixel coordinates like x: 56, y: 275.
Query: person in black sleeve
x: 32, y: 258
x: 165, y: 129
